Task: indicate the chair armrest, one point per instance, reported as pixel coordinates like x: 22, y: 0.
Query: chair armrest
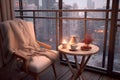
x: 22, y: 56
x: 44, y: 45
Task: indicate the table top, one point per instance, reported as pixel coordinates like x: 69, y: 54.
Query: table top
x: 94, y: 49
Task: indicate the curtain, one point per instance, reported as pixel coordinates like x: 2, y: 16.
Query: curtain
x: 6, y: 13
x: 6, y: 10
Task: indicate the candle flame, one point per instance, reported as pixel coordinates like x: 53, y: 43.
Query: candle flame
x: 64, y: 41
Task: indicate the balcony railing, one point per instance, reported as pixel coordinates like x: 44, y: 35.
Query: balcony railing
x: 59, y: 20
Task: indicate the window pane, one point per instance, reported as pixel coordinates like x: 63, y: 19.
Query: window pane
x: 16, y: 4
x: 30, y: 4
x: 46, y: 31
x: 37, y: 4
x: 96, y: 15
x: 116, y: 66
x: 96, y: 30
x: 77, y: 14
x: 84, y: 4
x: 28, y: 19
x: 40, y: 4
x: 73, y: 27
x: 17, y: 13
x: 48, y: 4
x: 118, y: 15
x: 47, y: 14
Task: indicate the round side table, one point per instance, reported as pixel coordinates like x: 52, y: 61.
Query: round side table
x: 78, y: 52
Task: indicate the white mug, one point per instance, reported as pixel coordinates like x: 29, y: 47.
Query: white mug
x: 73, y: 47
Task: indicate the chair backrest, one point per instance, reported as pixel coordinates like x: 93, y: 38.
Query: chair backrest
x: 20, y: 34
x: 16, y: 34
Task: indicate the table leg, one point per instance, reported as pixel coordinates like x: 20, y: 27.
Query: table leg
x: 80, y: 67
x: 77, y: 64
x: 84, y: 61
x: 70, y: 66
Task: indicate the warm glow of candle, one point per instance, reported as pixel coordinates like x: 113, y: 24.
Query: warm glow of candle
x: 64, y: 44
x: 64, y: 41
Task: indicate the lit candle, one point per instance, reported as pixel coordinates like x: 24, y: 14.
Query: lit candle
x: 64, y: 44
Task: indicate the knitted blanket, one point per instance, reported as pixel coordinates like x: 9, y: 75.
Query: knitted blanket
x: 19, y: 36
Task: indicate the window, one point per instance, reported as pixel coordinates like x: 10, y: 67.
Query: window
x: 76, y: 17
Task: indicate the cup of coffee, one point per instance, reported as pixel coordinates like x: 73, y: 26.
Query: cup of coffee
x: 73, y: 47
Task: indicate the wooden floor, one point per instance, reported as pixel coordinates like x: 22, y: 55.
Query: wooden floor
x: 63, y: 73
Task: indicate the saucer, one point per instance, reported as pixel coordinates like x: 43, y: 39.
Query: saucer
x: 73, y: 49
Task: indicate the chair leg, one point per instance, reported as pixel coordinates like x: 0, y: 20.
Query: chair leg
x: 36, y: 77
x: 53, y: 66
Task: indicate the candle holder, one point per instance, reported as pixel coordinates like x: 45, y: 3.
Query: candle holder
x: 64, y: 44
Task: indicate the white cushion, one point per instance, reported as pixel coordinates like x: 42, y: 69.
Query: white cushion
x: 39, y: 63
